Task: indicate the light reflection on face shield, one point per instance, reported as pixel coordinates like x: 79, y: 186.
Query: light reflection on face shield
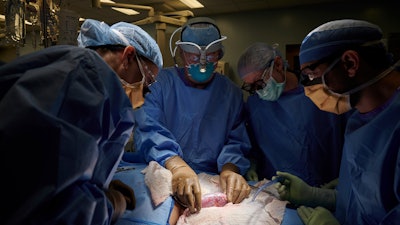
x: 192, y: 58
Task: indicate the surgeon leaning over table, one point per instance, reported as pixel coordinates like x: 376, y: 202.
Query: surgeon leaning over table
x: 290, y: 133
x: 347, y: 61
x: 65, y: 119
x: 193, y: 119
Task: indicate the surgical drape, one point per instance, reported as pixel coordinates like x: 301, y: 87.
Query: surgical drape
x: 64, y: 122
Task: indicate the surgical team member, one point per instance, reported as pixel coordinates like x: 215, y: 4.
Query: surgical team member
x: 194, y: 119
x: 128, y: 49
x: 349, y: 58
x: 289, y: 132
x: 65, y: 121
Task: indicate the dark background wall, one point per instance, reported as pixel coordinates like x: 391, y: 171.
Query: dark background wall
x: 286, y: 27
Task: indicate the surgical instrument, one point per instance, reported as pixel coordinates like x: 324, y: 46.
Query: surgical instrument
x: 269, y: 183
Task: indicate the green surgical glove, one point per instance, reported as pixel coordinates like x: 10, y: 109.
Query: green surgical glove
x: 317, y: 216
x: 331, y: 185
x: 297, y: 192
x: 251, y: 174
x: 185, y: 184
x: 233, y: 184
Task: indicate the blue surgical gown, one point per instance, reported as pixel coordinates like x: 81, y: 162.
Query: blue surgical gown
x: 64, y: 122
x: 203, y: 126
x: 369, y: 181
x: 293, y: 135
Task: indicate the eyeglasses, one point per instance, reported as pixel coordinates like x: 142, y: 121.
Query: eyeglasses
x: 309, y: 70
x: 256, y: 85
x: 149, y: 75
x: 308, y: 74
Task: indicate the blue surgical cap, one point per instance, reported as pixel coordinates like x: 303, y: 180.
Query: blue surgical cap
x: 96, y: 33
x: 256, y: 57
x: 203, y: 32
x: 200, y: 30
x: 335, y: 36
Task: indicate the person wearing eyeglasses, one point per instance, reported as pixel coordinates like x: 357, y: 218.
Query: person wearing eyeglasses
x: 66, y: 117
x: 193, y: 119
x: 348, y: 66
x: 123, y: 45
x: 288, y: 132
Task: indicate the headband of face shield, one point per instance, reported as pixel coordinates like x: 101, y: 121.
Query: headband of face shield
x: 200, y: 60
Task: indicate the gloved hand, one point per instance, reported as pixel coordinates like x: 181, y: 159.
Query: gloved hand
x: 233, y: 184
x: 126, y: 191
x: 317, y: 216
x: 121, y: 197
x: 331, y: 184
x: 251, y: 174
x: 297, y: 192
x: 185, y: 184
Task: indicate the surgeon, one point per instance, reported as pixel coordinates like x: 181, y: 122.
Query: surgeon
x: 194, y: 119
x: 128, y: 49
x: 350, y: 67
x: 65, y: 121
x: 289, y: 132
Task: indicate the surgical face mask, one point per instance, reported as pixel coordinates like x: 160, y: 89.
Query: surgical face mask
x: 327, y: 101
x: 200, y: 64
x: 338, y: 103
x: 135, y: 91
x: 201, y: 74
x: 272, y: 90
x: 364, y: 85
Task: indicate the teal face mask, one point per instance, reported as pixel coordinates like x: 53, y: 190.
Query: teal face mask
x: 272, y: 90
x: 200, y: 73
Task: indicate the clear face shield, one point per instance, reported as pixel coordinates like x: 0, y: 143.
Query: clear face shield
x: 199, y: 60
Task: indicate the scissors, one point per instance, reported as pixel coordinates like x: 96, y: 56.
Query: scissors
x: 269, y: 183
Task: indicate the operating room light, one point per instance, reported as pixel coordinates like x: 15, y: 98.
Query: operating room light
x: 129, y: 12
x: 192, y: 3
